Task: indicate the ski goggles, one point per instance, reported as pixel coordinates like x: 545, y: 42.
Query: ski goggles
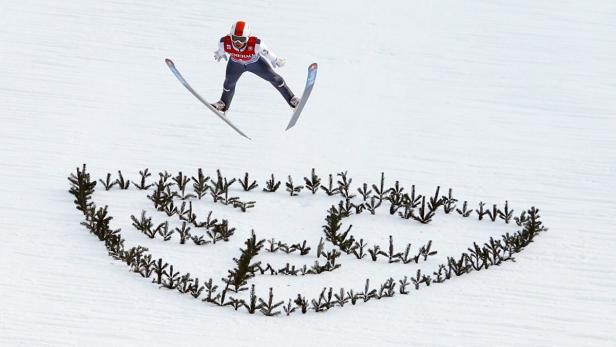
x: 240, y: 39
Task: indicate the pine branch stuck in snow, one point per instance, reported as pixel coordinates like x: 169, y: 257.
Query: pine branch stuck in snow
x: 478, y: 257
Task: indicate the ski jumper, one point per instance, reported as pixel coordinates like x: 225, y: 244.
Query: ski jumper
x: 254, y: 57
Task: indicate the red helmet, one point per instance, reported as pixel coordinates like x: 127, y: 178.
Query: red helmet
x: 240, y: 31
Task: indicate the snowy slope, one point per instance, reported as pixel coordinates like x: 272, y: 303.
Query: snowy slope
x: 499, y: 100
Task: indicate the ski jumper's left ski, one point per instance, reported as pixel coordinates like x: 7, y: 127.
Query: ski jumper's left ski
x: 207, y: 104
x: 312, y: 76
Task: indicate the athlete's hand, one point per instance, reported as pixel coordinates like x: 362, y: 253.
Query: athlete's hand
x: 219, y: 55
x: 280, y: 62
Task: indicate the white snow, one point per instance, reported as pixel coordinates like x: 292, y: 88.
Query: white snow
x: 499, y: 100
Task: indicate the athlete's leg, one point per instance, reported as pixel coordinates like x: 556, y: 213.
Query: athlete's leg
x: 262, y: 69
x: 232, y: 74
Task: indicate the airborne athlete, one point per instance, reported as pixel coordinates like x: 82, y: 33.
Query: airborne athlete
x: 248, y: 53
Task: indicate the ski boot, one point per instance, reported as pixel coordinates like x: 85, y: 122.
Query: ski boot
x: 294, y: 101
x: 220, y: 106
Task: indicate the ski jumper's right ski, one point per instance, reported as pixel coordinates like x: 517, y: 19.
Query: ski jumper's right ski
x: 207, y: 104
x: 312, y: 75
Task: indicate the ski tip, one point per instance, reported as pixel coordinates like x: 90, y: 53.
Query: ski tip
x: 169, y: 62
x: 313, y: 66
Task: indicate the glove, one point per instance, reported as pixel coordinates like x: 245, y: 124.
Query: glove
x: 219, y: 55
x: 279, y: 62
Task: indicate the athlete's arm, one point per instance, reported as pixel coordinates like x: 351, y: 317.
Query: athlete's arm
x: 265, y: 52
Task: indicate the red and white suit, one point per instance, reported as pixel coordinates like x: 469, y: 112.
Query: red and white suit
x: 254, y: 57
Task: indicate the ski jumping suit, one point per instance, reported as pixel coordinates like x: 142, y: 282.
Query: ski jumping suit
x: 254, y: 57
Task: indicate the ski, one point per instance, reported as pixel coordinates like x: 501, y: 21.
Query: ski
x: 312, y: 75
x: 179, y: 76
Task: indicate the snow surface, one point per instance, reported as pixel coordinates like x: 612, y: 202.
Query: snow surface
x: 499, y: 100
